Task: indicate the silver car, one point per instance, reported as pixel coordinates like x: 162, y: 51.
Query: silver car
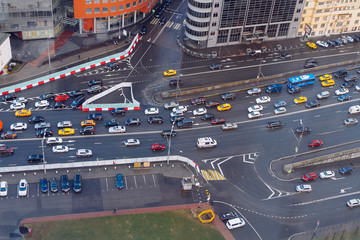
x: 83, y: 153
x: 229, y: 126
x: 171, y: 105
x: 64, y: 124
x: 303, y: 188
x: 132, y: 142
x: 42, y: 125
x: 280, y: 110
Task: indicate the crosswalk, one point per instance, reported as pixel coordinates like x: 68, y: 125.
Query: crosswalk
x: 168, y: 24
x: 212, y: 175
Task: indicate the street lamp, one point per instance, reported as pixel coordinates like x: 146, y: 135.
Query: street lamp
x: 259, y: 71
x: 43, y: 152
x: 49, y: 53
x: 169, y: 142
x: 300, y: 138
x: 177, y: 86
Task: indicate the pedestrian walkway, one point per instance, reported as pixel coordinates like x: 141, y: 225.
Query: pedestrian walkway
x: 169, y: 24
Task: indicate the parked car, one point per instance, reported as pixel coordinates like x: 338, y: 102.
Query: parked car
x: 23, y: 188
x: 44, y: 185
x: 345, y: 170
x: 53, y: 185
x: 77, y: 183
x: 65, y: 185
x: 119, y: 181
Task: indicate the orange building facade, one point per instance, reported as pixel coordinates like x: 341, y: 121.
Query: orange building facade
x: 100, y: 16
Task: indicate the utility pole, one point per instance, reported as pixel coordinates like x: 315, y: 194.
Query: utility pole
x: 169, y: 142
x: 43, y: 152
x: 259, y: 71
x: 177, y: 86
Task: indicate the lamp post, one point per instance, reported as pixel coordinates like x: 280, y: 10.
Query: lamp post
x: 43, y: 152
x: 49, y: 53
x: 259, y: 71
x: 169, y: 142
x: 299, y: 141
x: 177, y: 86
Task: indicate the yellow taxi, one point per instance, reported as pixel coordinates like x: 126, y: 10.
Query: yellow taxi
x: 224, y: 107
x: 66, y: 132
x: 300, y: 100
x: 170, y: 72
x: 23, y: 113
x: 325, y: 77
x: 88, y: 123
x: 328, y: 83
x: 311, y: 45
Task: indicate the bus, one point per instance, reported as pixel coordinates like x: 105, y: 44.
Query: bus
x: 300, y: 81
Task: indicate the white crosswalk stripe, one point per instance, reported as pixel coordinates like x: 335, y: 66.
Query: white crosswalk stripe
x: 177, y: 26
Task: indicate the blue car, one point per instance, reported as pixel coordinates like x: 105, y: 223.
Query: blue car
x: 345, y: 170
x: 345, y: 97
x: 95, y: 116
x: 348, y: 84
x: 331, y: 43
x: 44, y: 185
x: 337, y: 42
x: 119, y: 181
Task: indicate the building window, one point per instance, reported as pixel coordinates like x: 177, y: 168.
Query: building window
x: 296, y: 19
x: 325, y: 18
x: 302, y: 19
x: 222, y: 36
x: 96, y: 1
x: 298, y: 10
x: 97, y: 10
x: 215, y: 14
x: 216, y: 5
x: 300, y: 33
x: 113, y: 9
x: 113, y: 0
x: 134, y: 4
x: 356, y: 21
x: 317, y: 19
x: 88, y: 11
x: 87, y: 1
x: 128, y: 5
x: 321, y: 3
x: 301, y: 1
x: 358, y: 15
x: 121, y: 7
x: 213, y: 24
x: 322, y: 25
x: 301, y: 26
x: 105, y: 1
x: 283, y: 29
x: 140, y: 1
x: 318, y: 11
x: 105, y: 9
x: 315, y: 26
x: 212, y: 33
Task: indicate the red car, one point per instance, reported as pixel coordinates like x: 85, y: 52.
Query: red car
x: 158, y: 147
x: 61, y: 97
x: 315, y: 143
x: 197, y: 101
x: 309, y: 176
x: 212, y: 104
x: 217, y: 121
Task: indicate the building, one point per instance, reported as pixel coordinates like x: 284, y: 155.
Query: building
x: 5, y: 51
x: 326, y: 17
x: 213, y: 23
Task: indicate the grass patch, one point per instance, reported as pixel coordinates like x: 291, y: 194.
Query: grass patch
x: 175, y: 225
x: 344, y: 235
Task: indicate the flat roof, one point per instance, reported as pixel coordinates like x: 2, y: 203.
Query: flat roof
x: 3, y: 37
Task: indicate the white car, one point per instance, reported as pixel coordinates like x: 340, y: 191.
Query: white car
x: 54, y: 140
x: 151, y: 111
x: 229, y: 126
x: 23, y: 188
x: 254, y: 91
x: 322, y: 44
x: 180, y: 109
x: 64, y: 124
x: 199, y: 111
x: 323, y: 95
x: 264, y: 99
x: 60, y: 149
x: 357, y: 87
x: 326, y: 174
x: 255, y: 108
x: 348, y: 38
x: 117, y: 129
x: 3, y: 189
x: 280, y: 110
x: 254, y: 115
x: 235, y: 223
x: 350, y: 121
x: 42, y: 103
x: 83, y: 153
x: 17, y: 106
x: 303, y: 188
x: 18, y: 126
x: 42, y: 125
x: 341, y: 91
x: 176, y: 114
x: 132, y: 142
x: 171, y: 105
x: 20, y: 100
x: 353, y: 202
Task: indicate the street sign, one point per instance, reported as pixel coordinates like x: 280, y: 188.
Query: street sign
x: 308, y: 29
x: 124, y: 32
x: 296, y: 149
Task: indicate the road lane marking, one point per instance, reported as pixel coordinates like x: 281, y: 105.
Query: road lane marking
x: 324, y: 133
x: 144, y: 180
x: 324, y: 199
x: 107, y: 185
x: 126, y: 183
x: 135, y: 182
x: 154, y: 180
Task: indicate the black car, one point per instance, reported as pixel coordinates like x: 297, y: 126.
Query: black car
x: 294, y: 89
x: 120, y: 111
x: 227, y: 96
x: 162, y: 21
x: 47, y: 132
x: 76, y: 104
x: 303, y: 130
x: 312, y: 60
x: 177, y: 119
x: 143, y: 30
x: 65, y: 186
x: 95, y: 116
x: 341, y: 73
x: 155, y: 119
x: 310, y: 65
x: 47, y: 96
x: 8, y: 97
x: 53, y: 185
x: 348, y: 84
x: 215, y: 66
x: 133, y: 121
x: 87, y: 130
x: 158, y: 13
x: 174, y: 82
x: 207, y: 116
x: 77, y: 183
x: 58, y: 105
x: 36, y: 119
x: 111, y: 123
x: 95, y: 82
x: 168, y: 133
x: 312, y: 104
x: 35, y: 158
x: 112, y: 66
x: 275, y: 124
x: 77, y: 93
x: 351, y: 78
x: 228, y: 216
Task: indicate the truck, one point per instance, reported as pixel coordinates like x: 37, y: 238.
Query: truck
x: 274, y: 88
x: 186, y: 183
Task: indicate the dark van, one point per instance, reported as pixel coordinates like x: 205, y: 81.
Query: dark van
x: 341, y: 73
x: 76, y: 104
x: 274, y: 88
x: 186, y: 123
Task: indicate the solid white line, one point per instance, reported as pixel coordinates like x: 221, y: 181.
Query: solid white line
x: 144, y: 180
x: 154, y: 180
x: 135, y: 181
x: 325, y: 199
x: 221, y: 163
x: 107, y: 185
x: 212, y: 162
x: 126, y: 183
x: 331, y: 132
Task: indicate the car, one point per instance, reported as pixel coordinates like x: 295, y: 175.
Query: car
x: 345, y: 97
x: 199, y: 111
x: 120, y: 111
x: 310, y: 65
x: 358, y: 71
x: 341, y: 73
x: 264, y: 99
x: 23, y: 188
x: 168, y: 133
x: 229, y: 126
x: 47, y: 96
x: 53, y: 185
x: 117, y: 129
x: 350, y: 121
x: 345, y: 170
x: 94, y: 89
x: 285, y: 56
x: 8, y: 97
x: 77, y: 103
x: 35, y: 158
x: 356, y: 38
x: 174, y: 114
x: 312, y: 60
x: 60, y: 149
x: 87, y: 130
x: 299, y: 100
x: 348, y: 38
x: 17, y: 106
x: 280, y: 110
x: 44, y: 185
x: 327, y: 174
x: 228, y: 216
x: 235, y: 223
x: 341, y: 91
x: 83, y: 153
x: 46, y: 132
x: 328, y: 83
x: 42, y: 103
x: 65, y: 185
x: 77, y: 183
x: 66, y: 132
x: 36, y: 119
x: 302, y: 130
x: 143, y: 30
x: 207, y: 116
x: 175, y: 82
x: 171, y: 105
x: 95, y: 116
x: 61, y: 98
x: 311, y: 45
x: 337, y: 42
x: 132, y: 121
x: 53, y: 140
x: 158, y: 13
x: 151, y: 111
x: 322, y: 95
x: 3, y: 189
x: 303, y: 188
x: 355, y: 202
x: 6, y: 150
x: 312, y: 104
x: 157, y: 147
x: 132, y: 142
x: 255, y: 108
x: 280, y: 104
x: 331, y: 43
x: 119, y: 181
x: 8, y: 135
x: 180, y: 108
x: 294, y: 89
x: 316, y: 143
x: 112, y: 66
x: 88, y: 123
x: 343, y: 41
x: 18, y: 126
x: 227, y: 96
x: 20, y: 100
x: 95, y: 82
x: 111, y: 123
x: 309, y: 176
x: 42, y: 125
x: 322, y: 44
x: 155, y: 119
x: 162, y: 20
x: 357, y: 87
x: 212, y: 104
x: 275, y: 124
x: 347, y: 84
x: 325, y: 77
x: 253, y: 91
x: 224, y: 107
x: 217, y: 121
x: 254, y: 115
x: 197, y: 101
x: 350, y: 78
x: 177, y: 119
x: 170, y: 72
x: 77, y: 93
x: 216, y: 66
x: 58, y: 105
x: 64, y: 124
x: 23, y: 113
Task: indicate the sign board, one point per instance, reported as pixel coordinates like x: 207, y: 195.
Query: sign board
x: 124, y: 32
x: 308, y: 29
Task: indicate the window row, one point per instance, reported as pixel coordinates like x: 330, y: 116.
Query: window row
x: 198, y: 14
x: 196, y: 33
x: 113, y: 1
x: 197, y: 24
x: 200, y: 5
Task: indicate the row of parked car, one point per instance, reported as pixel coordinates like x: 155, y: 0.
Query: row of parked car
x: 333, y: 42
